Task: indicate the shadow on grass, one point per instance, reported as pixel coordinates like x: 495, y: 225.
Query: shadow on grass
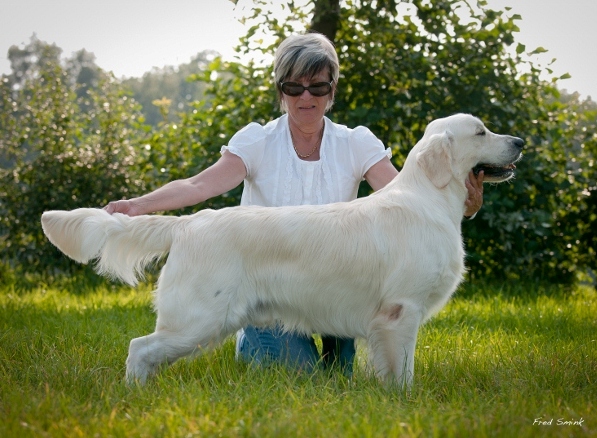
x: 81, y: 282
x: 527, y: 291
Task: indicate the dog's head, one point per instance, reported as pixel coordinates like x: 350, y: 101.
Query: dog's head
x: 453, y: 146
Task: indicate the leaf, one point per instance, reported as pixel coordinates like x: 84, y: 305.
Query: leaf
x: 538, y: 51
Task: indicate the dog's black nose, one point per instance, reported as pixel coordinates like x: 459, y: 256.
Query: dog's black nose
x: 518, y: 142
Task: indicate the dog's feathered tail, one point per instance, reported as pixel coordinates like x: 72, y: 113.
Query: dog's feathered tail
x: 123, y: 245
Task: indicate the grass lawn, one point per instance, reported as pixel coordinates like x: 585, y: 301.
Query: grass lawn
x: 492, y: 363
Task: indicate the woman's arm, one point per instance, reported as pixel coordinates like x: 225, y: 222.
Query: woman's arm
x: 227, y: 173
x: 380, y: 174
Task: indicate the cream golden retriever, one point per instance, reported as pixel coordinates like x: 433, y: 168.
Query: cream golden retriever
x: 375, y: 268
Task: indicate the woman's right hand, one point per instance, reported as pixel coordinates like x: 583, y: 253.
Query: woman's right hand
x: 125, y: 206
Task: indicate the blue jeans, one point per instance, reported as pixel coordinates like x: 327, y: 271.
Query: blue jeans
x: 267, y: 345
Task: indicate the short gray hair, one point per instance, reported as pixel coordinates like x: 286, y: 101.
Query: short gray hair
x: 304, y: 56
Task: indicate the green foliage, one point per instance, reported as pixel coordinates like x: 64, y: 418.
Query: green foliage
x: 403, y: 65
x: 58, y: 156
x: 400, y: 71
x: 552, y: 207
x: 403, y: 70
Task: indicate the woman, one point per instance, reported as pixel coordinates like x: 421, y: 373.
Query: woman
x: 300, y: 158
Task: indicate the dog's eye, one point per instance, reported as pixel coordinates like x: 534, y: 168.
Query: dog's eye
x: 481, y: 132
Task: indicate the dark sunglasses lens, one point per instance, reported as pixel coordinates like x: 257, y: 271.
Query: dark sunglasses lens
x: 318, y: 89
x: 292, y: 89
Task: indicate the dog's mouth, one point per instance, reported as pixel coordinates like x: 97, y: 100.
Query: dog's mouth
x: 494, y: 172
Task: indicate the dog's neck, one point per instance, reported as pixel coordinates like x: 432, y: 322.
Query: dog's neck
x: 451, y: 197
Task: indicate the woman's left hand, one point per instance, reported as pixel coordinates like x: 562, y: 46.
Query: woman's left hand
x: 474, y: 185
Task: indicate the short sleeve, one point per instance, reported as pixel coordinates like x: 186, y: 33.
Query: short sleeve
x: 249, y: 145
x: 367, y: 150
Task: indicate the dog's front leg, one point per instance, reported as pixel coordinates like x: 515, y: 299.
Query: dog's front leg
x: 148, y: 353
x: 141, y: 361
x: 391, y: 339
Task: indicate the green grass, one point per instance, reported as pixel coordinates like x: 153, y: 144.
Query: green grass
x: 488, y: 365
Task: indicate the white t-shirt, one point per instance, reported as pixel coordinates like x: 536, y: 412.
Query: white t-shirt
x: 276, y: 176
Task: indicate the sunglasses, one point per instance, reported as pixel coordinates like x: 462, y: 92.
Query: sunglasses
x: 295, y: 89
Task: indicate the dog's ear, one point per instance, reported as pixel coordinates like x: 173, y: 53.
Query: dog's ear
x: 436, y: 159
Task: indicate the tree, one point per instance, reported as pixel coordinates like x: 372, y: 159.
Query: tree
x: 24, y: 62
x: 170, y: 83
x: 326, y: 18
x: 84, y: 75
x: 58, y: 156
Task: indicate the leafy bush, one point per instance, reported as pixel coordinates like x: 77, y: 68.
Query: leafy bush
x: 57, y: 156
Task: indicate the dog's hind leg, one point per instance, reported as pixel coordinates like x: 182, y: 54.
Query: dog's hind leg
x: 391, y: 339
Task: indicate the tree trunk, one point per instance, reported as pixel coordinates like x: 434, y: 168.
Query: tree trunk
x: 326, y: 18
